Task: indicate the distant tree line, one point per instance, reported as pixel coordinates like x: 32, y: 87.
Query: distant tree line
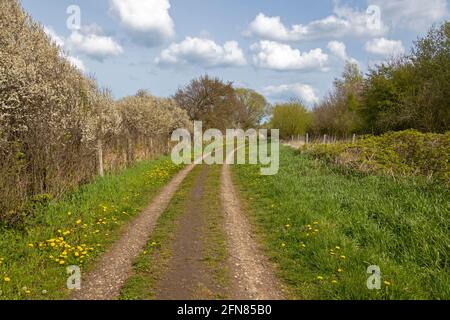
x: 408, y: 92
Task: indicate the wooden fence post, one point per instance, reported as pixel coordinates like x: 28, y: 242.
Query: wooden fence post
x: 324, y: 139
x: 307, y: 138
x: 101, y: 170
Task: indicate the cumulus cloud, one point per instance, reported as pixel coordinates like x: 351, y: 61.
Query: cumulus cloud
x: 93, y: 45
x: 203, y: 52
x: 385, y: 47
x: 339, y: 50
x: 345, y: 21
x: 417, y: 15
x: 148, y: 21
x: 301, y: 91
x: 89, y: 40
x: 282, y: 57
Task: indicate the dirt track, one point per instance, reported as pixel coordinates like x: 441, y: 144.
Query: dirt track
x: 187, y: 276
x: 251, y: 275
x: 115, y: 266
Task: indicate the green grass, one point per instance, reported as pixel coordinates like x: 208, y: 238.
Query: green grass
x: 150, y: 267
x: 215, y: 249
x: 401, y: 225
x: 154, y: 259
x: 83, y: 223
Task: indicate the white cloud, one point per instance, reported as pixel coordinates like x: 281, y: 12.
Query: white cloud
x: 339, y: 50
x: 148, y: 21
x: 345, y: 21
x: 88, y: 40
x: 304, y: 92
x: 385, y: 47
x: 93, y: 45
x: 203, y: 52
x: 282, y: 57
x: 417, y: 15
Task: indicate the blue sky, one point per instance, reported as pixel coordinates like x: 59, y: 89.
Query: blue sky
x: 281, y: 48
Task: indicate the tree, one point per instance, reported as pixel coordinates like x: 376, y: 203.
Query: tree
x: 210, y: 100
x: 146, y: 118
x: 338, y: 113
x: 411, y: 92
x: 291, y: 119
x: 254, y: 107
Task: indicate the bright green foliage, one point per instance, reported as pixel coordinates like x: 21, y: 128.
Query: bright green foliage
x: 413, y: 91
x: 291, y: 119
x: 409, y: 92
x: 398, y: 153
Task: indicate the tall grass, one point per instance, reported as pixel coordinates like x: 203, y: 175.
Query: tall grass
x: 325, y: 226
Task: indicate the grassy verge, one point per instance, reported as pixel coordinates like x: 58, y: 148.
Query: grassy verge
x: 150, y: 267
x: 325, y: 226
x: 74, y: 230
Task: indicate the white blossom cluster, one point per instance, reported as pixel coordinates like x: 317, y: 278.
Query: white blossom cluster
x: 52, y: 116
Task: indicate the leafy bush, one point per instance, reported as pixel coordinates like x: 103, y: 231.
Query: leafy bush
x: 403, y: 153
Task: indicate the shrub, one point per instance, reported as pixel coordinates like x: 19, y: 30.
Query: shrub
x: 404, y: 153
x: 57, y: 128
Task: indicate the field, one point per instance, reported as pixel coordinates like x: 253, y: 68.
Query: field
x: 324, y: 226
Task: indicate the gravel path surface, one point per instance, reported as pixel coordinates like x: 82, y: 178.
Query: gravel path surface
x: 115, y: 266
x: 252, y: 274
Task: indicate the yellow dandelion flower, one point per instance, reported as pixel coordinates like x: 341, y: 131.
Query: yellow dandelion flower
x: 343, y: 257
x: 334, y: 281
x: 78, y: 221
x: 319, y: 278
x: 7, y: 279
x: 31, y: 245
x: 387, y: 283
x: 340, y: 270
